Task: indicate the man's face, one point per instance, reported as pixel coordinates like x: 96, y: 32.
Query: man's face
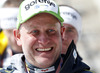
x: 69, y: 34
x: 41, y: 41
x: 11, y: 40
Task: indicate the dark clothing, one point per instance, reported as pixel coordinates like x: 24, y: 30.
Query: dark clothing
x: 72, y: 63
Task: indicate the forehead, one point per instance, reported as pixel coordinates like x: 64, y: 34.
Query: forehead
x: 42, y: 19
x: 68, y: 26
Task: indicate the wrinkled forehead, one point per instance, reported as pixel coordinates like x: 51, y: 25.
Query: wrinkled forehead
x: 68, y: 26
x: 42, y: 19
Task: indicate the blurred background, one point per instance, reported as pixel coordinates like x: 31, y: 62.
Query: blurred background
x: 89, y: 44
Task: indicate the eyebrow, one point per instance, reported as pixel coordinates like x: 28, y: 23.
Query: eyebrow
x: 70, y: 27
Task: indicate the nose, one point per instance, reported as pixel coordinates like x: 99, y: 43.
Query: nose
x: 43, y: 39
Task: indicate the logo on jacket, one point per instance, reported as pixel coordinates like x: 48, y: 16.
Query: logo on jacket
x: 74, y: 54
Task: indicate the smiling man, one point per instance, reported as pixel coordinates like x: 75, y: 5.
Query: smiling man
x: 39, y: 32
x: 40, y: 37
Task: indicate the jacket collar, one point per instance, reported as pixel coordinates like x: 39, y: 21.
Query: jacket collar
x: 72, y: 62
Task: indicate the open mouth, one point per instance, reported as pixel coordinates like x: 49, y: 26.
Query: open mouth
x: 44, y: 49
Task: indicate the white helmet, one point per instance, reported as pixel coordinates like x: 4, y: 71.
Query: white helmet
x: 8, y: 18
x: 72, y: 17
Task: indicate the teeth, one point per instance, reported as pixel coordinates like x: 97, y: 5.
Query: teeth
x: 47, y: 49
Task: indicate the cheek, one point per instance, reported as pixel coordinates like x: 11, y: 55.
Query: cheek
x: 76, y: 38
x: 28, y: 41
x: 67, y: 36
x: 57, y: 37
x: 58, y: 41
x: 73, y: 37
x: 70, y: 35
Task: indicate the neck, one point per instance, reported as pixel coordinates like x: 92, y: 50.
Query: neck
x: 50, y: 69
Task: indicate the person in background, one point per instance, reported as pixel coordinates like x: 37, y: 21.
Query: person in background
x: 72, y: 24
x: 3, y: 45
x: 8, y: 19
x: 39, y: 32
x: 72, y: 32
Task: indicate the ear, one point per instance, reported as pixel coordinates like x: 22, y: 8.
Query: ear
x: 62, y: 30
x: 17, y: 37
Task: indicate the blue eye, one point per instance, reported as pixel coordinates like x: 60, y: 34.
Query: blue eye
x: 51, y: 30
x: 35, y: 31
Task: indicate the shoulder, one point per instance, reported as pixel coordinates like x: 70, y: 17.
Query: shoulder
x: 17, y: 65
x: 6, y: 70
x: 17, y: 59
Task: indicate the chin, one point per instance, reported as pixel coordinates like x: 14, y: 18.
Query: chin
x: 45, y: 61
